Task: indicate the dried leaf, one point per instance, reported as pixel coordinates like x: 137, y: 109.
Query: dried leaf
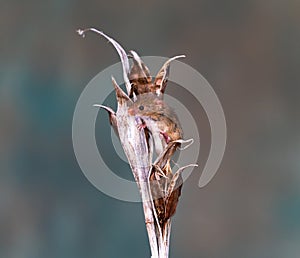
x: 139, y: 76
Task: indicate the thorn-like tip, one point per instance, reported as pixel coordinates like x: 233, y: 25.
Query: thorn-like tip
x: 80, y: 32
x: 177, y: 57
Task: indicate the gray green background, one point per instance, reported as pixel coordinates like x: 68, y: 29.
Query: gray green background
x: 247, y: 50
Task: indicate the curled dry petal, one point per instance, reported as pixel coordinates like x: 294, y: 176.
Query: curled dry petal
x: 139, y: 76
x: 161, y: 79
x: 122, y: 97
x: 112, y: 117
x: 120, y: 50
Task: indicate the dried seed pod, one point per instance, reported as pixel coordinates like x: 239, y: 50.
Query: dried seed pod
x: 160, y: 189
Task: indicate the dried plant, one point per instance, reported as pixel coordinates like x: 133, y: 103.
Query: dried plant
x: 141, y: 135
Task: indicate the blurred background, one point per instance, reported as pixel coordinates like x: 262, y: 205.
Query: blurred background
x: 247, y: 50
